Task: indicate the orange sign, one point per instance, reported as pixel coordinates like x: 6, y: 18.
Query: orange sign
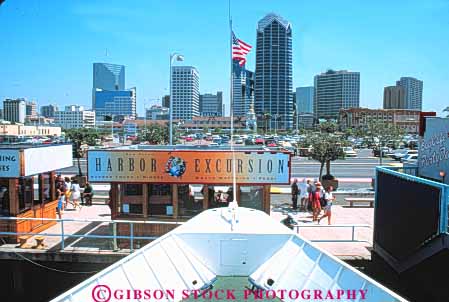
x: 202, y: 167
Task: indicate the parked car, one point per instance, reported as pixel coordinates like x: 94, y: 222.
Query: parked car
x: 189, y: 139
x: 410, y: 159
x: 385, y: 151
x: 270, y: 143
x: 403, y: 153
x: 238, y: 141
x: 259, y: 141
x: 349, y: 152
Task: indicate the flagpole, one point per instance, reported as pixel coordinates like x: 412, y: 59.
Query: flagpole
x: 234, y: 184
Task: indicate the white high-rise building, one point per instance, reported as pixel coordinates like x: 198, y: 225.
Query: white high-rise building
x: 75, y: 116
x: 185, y: 91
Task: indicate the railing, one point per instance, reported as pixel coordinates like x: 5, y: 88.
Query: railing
x: 352, y: 226
x: 113, y: 223
x: 410, y: 170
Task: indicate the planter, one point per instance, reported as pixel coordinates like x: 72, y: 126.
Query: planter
x: 330, y: 182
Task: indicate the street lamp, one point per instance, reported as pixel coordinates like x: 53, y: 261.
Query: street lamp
x: 177, y: 57
x: 443, y: 175
x: 145, y: 115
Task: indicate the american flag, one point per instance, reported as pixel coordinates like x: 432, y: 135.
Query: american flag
x: 239, y: 50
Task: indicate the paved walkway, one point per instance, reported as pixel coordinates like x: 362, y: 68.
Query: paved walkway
x: 98, y: 211
x: 341, y: 215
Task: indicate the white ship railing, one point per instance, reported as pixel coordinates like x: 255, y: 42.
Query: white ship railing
x: 131, y: 237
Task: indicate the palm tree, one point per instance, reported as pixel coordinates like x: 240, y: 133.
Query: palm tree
x: 266, y: 117
x: 446, y: 110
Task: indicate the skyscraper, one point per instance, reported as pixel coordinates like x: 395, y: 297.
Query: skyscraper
x: 394, y: 97
x: 242, y: 89
x: 273, y: 80
x: 335, y: 90
x: 211, y: 104
x: 49, y: 110
x: 304, y: 99
x: 31, y: 109
x: 166, y: 101
x: 14, y: 110
x: 107, y: 77
x: 185, y: 90
x: 413, y: 92
x: 118, y: 104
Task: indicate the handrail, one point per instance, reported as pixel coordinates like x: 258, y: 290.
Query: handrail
x: 93, y: 220
x: 63, y: 235
x: 352, y: 226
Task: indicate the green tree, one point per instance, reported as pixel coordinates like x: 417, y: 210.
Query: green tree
x: 380, y: 133
x: 80, y: 137
x: 326, y: 146
x: 158, y: 134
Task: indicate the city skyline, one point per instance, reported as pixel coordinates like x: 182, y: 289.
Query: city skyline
x: 80, y: 35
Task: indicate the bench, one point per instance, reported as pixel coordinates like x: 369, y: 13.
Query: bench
x: 353, y: 200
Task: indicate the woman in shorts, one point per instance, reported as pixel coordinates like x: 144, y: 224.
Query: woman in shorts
x: 314, y: 198
x: 329, y: 198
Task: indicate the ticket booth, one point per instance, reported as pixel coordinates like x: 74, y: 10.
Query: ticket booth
x: 166, y: 184
x: 27, y: 185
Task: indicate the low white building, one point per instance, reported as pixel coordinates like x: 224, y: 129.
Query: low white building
x: 75, y: 116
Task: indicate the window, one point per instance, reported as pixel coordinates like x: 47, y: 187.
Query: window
x: 4, y: 198
x: 133, y: 190
x: 251, y: 197
x: 160, y: 200
x: 190, y: 199
x: 47, y: 188
x: 25, y: 189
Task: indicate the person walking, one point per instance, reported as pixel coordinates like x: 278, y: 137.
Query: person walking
x: 303, y: 194
x: 61, y: 198
x: 309, y: 191
x: 314, y: 199
x: 295, y: 193
x: 66, y: 191
x: 76, y: 193
x: 329, y: 198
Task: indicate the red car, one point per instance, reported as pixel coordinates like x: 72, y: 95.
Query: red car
x: 189, y: 139
x: 259, y: 141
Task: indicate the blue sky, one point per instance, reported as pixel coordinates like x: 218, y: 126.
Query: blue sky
x: 47, y: 47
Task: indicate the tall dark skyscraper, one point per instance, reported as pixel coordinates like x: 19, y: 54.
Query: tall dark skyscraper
x: 108, y: 77
x: 273, y: 76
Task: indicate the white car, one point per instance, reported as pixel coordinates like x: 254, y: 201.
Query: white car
x: 404, y: 153
x: 410, y: 159
x: 349, y: 152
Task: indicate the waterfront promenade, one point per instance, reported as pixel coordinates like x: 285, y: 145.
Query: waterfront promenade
x: 340, y: 239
